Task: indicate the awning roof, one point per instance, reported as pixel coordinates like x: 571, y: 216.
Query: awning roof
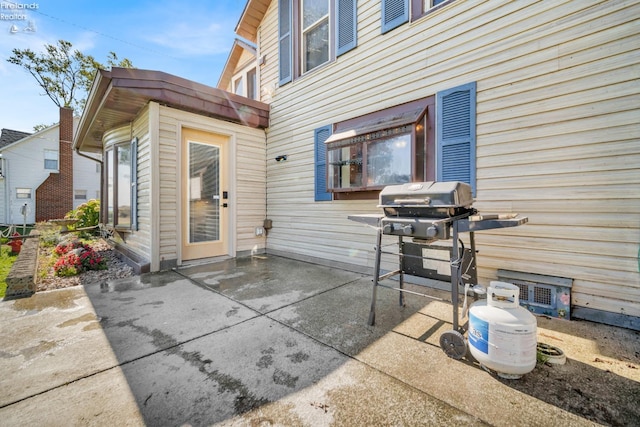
x: 388, y: 118
x: 117, y: 96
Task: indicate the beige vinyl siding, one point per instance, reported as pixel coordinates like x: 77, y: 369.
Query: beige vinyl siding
x: 247, y: 172
x: 268, y: 37
x: 139, y: 241
x: 246, y: 59
x: 558, y: 103
x: 168, y: 192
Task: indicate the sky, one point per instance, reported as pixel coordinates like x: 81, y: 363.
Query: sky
x: 191, y: 39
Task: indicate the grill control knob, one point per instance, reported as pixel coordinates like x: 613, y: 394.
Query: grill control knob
x: 432, y: 231
x: 387, y: 228
x: 407, y: 229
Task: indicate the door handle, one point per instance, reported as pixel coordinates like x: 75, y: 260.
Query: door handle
x: 225, y: 205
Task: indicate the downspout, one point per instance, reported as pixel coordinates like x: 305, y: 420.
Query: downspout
x: 101, y: 214
x: 5, y: 188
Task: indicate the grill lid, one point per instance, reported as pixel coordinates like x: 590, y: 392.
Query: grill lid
x: 427, y: 195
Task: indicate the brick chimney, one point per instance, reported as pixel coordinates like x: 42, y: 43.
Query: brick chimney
x: 54, y: 197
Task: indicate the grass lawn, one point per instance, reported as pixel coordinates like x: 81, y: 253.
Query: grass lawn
x: 6, y: 261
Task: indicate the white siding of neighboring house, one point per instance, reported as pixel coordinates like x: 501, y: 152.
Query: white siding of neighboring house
x: 86, y: 176
x: 24, y: 168
x: 558, y: 102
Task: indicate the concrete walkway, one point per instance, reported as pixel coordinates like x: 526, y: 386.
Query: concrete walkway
x: 272, y: 341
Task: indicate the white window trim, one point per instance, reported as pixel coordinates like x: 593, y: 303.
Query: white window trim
x: 311, y: 27
x: 18, y: 193
x: 49, y: 155
x: 242, y: 74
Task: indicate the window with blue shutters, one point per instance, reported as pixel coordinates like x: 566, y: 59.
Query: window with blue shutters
x: 318, y: 32
x: 320, y: 135
x: 390, y: 146
x: 456, y: 134
x: 394, y: 14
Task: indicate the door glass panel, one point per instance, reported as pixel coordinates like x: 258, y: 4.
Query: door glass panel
x: 204, y: 193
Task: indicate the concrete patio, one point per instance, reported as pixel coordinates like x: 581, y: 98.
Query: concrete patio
x: 268, y: 340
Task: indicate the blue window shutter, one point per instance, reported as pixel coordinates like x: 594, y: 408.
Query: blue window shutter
x: 456, y: 134
x: 320, y: 135
x: 134, y: 184
x: 394, y: 14
x: 347, y: 26
x: 285, y: 49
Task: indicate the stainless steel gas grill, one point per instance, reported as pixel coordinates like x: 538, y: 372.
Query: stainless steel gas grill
x: 427, y: 212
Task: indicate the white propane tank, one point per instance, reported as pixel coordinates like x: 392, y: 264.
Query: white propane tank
x: 502, y: 335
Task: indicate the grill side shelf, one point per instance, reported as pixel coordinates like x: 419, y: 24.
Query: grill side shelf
x: 465, y: 225
x: 369, y: 219
x: 468, y: 225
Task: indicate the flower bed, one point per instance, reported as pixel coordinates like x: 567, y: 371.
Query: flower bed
x: 47, y: 279
x: 75, y: 257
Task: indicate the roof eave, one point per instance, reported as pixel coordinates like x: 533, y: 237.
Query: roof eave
x: 251, y: 18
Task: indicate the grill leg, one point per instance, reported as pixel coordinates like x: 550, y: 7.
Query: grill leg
x: 376, y: 277
x: 455, y: 273
x: 401, y: 268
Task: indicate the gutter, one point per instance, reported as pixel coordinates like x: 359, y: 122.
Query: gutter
x: 77, y: 150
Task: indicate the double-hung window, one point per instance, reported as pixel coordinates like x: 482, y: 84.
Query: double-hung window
x: 121, y: 195
x: 51, y: 159
x: 245, y: 83
x: 23, y: 193
x: 312, y: 33
x: 315, y: 33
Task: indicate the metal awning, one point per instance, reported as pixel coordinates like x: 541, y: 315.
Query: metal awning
x: 118, y: 96
x: 399, y: 115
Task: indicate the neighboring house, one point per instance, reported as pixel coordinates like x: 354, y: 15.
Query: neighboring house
x: 35, y: 184
x: 9, y: 136
x: 240, y: 73
x: 535, y: 104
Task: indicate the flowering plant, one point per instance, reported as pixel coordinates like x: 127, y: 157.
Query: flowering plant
x: 76, y: 257
x: 90, y: 260
x: 66, y: 247
x: 67, y: 265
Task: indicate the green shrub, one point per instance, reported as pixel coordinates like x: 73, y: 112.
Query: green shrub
x: 87, y: 215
